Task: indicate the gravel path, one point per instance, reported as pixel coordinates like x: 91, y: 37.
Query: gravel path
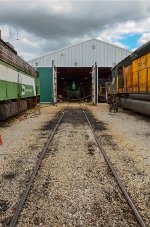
x: 74, y: 186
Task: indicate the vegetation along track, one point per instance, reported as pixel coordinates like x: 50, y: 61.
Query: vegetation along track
x: 74, y: 186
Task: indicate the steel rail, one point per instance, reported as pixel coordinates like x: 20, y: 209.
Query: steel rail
x: 23, y: 198
x: 125, y: 193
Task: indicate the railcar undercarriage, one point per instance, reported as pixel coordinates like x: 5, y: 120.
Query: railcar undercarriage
x: 13, y: 107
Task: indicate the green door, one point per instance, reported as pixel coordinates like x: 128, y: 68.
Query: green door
x: 46, y: 84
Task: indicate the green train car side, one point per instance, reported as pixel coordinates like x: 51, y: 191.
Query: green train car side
x: 19, y: 86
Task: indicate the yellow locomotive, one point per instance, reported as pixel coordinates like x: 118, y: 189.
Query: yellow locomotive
x: 130, y: 81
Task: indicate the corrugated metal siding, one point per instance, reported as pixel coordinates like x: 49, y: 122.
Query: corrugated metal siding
x: 83, y: 55
x: 46, y: 84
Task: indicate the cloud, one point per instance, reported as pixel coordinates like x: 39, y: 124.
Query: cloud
x: 144, y: 38
x: 130, y: 28
x: 38, y: 27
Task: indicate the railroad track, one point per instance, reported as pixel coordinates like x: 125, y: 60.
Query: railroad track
x: 24, y: 196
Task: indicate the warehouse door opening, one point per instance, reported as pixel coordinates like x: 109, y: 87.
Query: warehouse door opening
x: 74, y: 83
x: 104, y: 74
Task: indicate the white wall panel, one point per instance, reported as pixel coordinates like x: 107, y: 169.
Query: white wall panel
x: 84, y: 54
x: 11, y: 75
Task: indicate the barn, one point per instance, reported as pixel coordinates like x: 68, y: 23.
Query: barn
x: 77, y: 72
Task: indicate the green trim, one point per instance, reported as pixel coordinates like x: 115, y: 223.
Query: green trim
x: 12, y: 90
x: 37, y: 85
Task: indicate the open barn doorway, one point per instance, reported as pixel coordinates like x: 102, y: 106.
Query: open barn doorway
x: 74, y: 83
x: 81, y: 83
x: 104, y: 74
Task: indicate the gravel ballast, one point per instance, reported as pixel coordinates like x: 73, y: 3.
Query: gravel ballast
x: 74, y: 186
x: 127, y: 144
x: 23, y: 139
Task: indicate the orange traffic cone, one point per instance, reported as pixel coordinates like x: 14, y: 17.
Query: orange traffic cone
x: 1, y: 140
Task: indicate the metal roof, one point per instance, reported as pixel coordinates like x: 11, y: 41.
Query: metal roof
x: 144, y: 49
x: 83, y: 54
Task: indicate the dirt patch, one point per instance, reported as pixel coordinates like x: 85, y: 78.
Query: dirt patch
x: 9, y: 176
x: 74, y: 116
x: 4, y: 205
x: 49, y: 125
x: 96, y: 124
x: 91, y: 149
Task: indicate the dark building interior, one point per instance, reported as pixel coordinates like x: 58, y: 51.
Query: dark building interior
x: 76, y: 82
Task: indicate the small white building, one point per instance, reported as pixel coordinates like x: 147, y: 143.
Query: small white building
x: 87, y: 65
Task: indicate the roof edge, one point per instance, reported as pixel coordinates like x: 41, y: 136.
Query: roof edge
x: 79, y: 44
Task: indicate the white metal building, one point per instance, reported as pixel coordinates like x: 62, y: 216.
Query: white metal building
x: 84, y: 54
x: 78, y: 71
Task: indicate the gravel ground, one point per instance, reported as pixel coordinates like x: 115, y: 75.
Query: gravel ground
x: 127, y: 144
x: 19, y: 132
x: 73, y: 185
x: 23, y: 138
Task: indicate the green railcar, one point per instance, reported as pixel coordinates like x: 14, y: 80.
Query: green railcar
x: 19, y: 83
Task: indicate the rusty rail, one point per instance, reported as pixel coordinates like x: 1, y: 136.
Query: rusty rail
x: 23, y: 198
x: 125, y: 193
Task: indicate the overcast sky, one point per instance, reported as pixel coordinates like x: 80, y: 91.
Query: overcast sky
x: 38, y: 27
